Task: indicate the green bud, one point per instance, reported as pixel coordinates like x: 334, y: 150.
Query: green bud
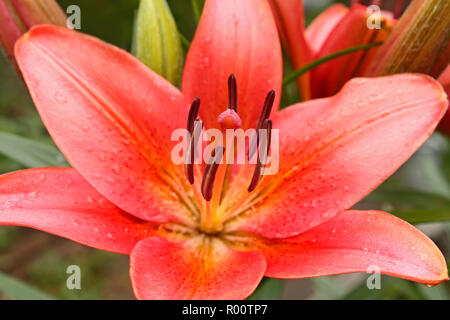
x: 157, y: 41
x: 418, y: 42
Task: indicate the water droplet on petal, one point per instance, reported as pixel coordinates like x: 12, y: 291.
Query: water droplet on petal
x: 60, y: 98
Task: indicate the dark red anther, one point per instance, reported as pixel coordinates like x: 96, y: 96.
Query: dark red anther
x: 268, y: 127
x: 189, y: 161
x: 232, y: 93
x: 210, y: 173
x: 265, y: 114
x: 267, y: 108
x: 193, y: 114
x: 264, y: 153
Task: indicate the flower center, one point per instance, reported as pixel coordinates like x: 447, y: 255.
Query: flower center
x: 221, y: 164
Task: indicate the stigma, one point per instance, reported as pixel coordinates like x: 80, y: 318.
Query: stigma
x: 229, y: 119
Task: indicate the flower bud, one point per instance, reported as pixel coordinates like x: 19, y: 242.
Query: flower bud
x: 418, y: 41
x: 157, y: 42
x: 10, y: 31
x: 17, y: 16
x: 33, y: 12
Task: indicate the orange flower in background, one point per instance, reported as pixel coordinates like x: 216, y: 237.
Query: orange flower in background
x: 213, y: 234
x: 335, y: 29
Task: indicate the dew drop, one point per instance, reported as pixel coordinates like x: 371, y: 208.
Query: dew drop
x: 34, y: 83
x: 60, y: 98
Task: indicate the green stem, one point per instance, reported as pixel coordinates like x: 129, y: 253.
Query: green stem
x: 196, y: 10
x: 184, y: 41
x: 297, y: 73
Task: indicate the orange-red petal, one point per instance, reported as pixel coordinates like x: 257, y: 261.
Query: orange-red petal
x: 322, y: 26
x: 197, y: 268
x: 290, y: 18
x: 357, y: 241
x: 238, y: 37
x: 334, y: 151
x: 61, y: 202
x: 110, y: 115
x: 351, y: 31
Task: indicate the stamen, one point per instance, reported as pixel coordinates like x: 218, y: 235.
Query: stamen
x: 194, y: 134
x: 267, y: 108
x: 265, y: 114
x: 232, y: 93
x: 267, y: 126
x: 210, y: 173
x: 192, y: 152
x: 265, y: 147
x: 193, y: 114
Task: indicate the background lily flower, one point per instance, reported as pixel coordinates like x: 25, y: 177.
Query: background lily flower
x: 418, y: 42
x: 113, y: 118
x: 335, y: 29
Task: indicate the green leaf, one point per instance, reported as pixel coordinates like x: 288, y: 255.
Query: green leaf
x: 32, y: 154
x: 361, y: 292
x: 412, y: 205
x: 297, y: 73
x: 328, y: 288
x: 196, y: 9
x: 433, y: 293
x: 391, y: 289
x: 18, y: 290
x: 269, y: 289
x: 157, y: 41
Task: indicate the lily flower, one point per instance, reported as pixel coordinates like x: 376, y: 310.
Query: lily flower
x: 194, y: 231
x: 335, y: 29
